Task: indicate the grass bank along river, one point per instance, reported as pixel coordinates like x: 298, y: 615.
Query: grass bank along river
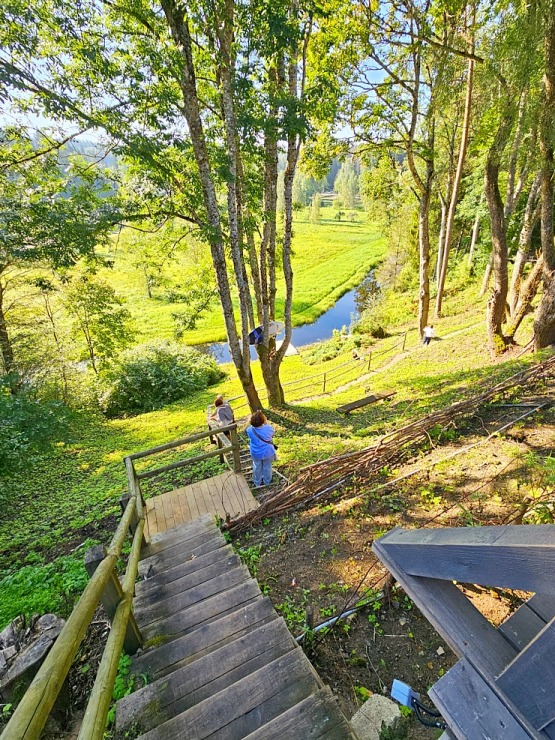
x: 330, y: 258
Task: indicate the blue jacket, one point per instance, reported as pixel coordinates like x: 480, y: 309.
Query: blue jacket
x: 261, y: 450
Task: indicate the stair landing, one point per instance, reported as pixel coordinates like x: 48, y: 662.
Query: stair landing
x: 224, y: 495
x: 220, y: 662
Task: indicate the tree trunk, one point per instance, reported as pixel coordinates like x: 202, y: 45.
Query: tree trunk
x: 527, y: 295
x: 531, y: 215
x: 441, y: 238
x: 424, y: 249
x: 475, y: 231
x: 487, y: 276
x: 456, y: 185
x: 498, y: 300
x: 179, y: 26
x: 544, y: 325
x: 8, y: 359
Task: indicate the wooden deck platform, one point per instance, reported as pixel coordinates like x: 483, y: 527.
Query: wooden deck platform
x: 228, y: 493
x: 220, y: 662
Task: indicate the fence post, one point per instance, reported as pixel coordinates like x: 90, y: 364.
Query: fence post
x: 324, y: 385
x: 111, y: 596
x: 369, y: 361
x: 404, y: 340
x: 236, y: 450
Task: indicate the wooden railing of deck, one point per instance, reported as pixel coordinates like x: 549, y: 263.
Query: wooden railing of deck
x: 32, y: 712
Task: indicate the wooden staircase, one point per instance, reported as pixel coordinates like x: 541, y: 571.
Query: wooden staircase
x: 220, y: 662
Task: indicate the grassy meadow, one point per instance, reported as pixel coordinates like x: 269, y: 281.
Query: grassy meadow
x: 330, y: 258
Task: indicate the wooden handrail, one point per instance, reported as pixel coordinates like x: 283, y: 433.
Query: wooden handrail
x: 94, y: 721
x: 171, y: 445
x: 33, y: 710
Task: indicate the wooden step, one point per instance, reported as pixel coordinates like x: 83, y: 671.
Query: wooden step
x: 181, y: 537
x: 151, y: 598
x: 238, y: 710
x: 185, y: 531
x: 204, y: 677
x: 189, y: 565
x: 152, y: 613
x: 163, y: 659
x: 528, y: 620
x: 318, y: 716
x: 203, y: 612
x: 529, y: 679
x: 177, y: 554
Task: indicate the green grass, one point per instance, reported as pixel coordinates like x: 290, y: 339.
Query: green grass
x: 329, y: 259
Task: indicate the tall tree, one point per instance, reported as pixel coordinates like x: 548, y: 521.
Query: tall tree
x: 47, y: 218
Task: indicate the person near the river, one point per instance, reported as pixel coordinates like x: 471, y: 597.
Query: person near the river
x: 429, y: 334
x: 262, y: 448
x: 223, y: 413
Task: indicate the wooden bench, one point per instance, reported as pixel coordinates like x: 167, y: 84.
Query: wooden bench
x: 348, y: 407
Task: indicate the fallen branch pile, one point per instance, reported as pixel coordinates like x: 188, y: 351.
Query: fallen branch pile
x: 328, y: 475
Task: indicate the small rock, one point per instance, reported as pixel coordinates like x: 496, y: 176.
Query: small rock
x: 440, y: 651
x: 403, y: 621
x: 375, y: 714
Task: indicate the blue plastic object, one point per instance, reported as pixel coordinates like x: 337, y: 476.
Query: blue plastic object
x: 403, y: 693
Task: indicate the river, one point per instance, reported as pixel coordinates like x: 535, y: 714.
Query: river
x: 339, y: 315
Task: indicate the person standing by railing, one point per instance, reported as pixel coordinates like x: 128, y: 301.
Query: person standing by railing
x: 262, y: 448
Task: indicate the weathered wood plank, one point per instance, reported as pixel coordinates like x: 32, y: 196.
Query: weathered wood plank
x: 205, y: 611
x: 150, y: 600
x: 229, y: 714
x: 460, y: 624
x: 520, y: 557
x: 317, y: 716
x: 189, y: 565
x: 152, y: 613
x: 550, y: 731
x: 164, y: 659
x: 178, y: 554
x: 543, y: 605
x: 529, y: 681
x: 205, y: 677
x: 473, y: 710
x: 181, y: 536
x: 348, y: 407
x: 189, y: 530
x: 521, y: 627
x: 170, y: 547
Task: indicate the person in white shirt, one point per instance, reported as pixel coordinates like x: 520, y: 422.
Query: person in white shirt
x: 428, y: 334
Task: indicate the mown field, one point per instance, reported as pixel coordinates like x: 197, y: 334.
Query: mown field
x: 330, y: 258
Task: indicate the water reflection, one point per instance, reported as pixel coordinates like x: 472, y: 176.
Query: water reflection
x: 343, y: 313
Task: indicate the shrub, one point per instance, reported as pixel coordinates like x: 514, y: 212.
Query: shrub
x: 153, y: 375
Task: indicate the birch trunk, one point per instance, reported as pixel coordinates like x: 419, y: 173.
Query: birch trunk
x: 527, y: 295
x: 456, y: 185
x: 179, y: 27
x: 531, y: 215
x: 544, y: 325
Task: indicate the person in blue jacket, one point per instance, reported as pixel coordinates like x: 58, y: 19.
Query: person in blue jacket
x: 262, y: 449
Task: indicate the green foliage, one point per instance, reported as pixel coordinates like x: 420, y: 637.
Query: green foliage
x: 330, y: 348
x: 27, y: 426
x: 40, y: 589
x: 250, y: 556
x: 124, y: 684
x: 153, y: 375
x: 99, y: 316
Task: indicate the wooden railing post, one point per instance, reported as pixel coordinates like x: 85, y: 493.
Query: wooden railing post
x: 369, y: 361
x: 111, y: 597
x: 404, y: 341
x: 324, y: 384
x: 236, y: 450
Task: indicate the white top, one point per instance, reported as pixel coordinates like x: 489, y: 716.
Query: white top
x: 429, y: 331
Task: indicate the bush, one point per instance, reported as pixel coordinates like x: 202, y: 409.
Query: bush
x: 153, y: 375
x: 27, y: 426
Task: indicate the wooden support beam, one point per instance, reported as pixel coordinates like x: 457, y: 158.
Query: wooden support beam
x: 529, y: 680
x: 111, y: 597
x: 473, y: 709
x: 460, y: 624
x: 521, y: 557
